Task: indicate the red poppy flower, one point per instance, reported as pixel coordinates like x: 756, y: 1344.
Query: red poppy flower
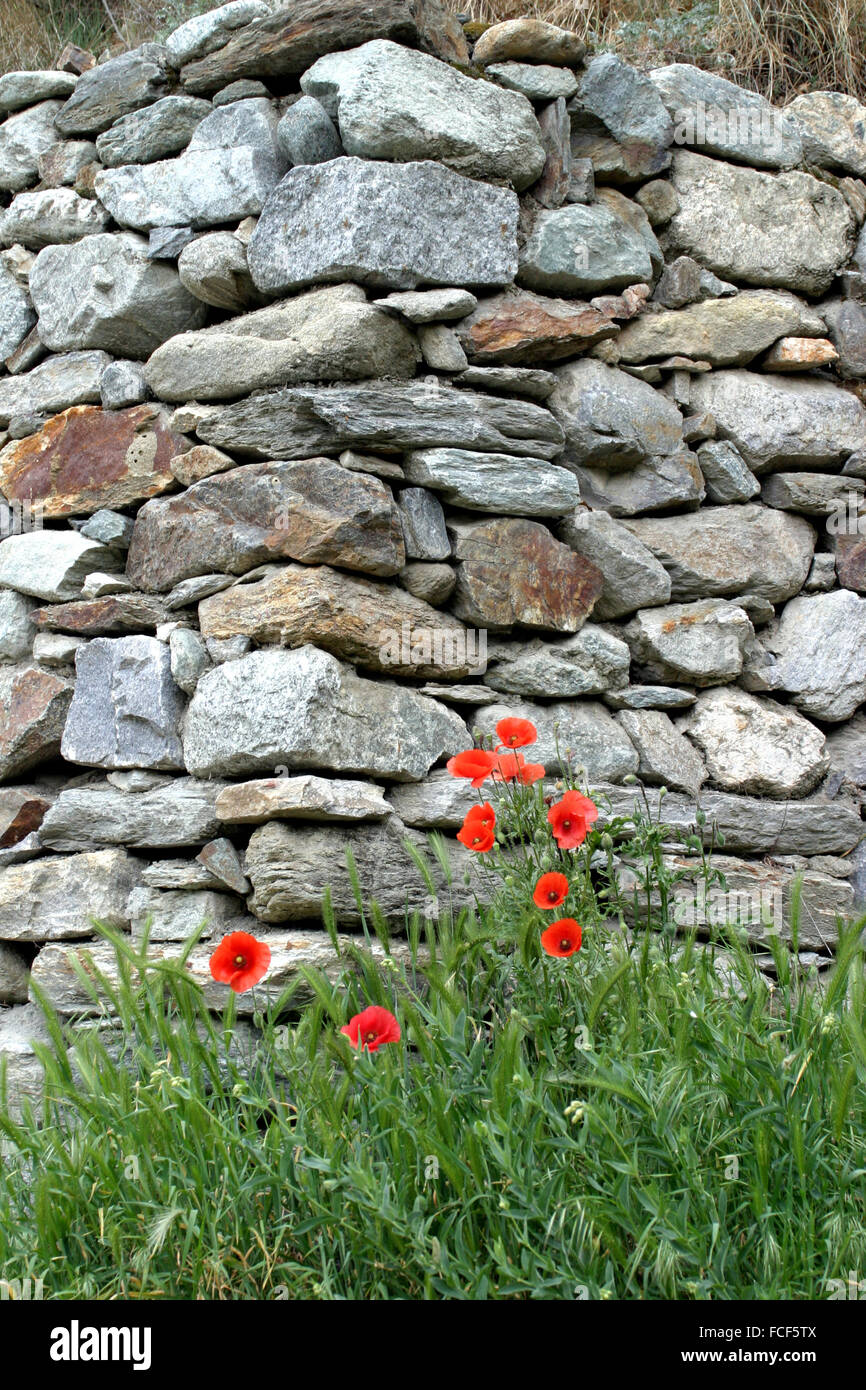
x: 570, y: 819
x: 513, y: 767
x: 372, y: 1029
x: 562, y: 938
x: 551, y: 890
x: 240, y: 961
x: 477, y: 830
x: 476, y: 764
x: 516, y: 733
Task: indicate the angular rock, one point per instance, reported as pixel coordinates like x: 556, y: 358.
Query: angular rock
x: 756, y: 746
x: 701, y: 643
x: 313, y: 511
x: 51, y: 565
x: 650, y: 697
x: 167, y: 243
x: 846, y: 749
x: 730, y: 550
x: 61, y: 164
x: 799, y: 355
x: 393, y: 103
x: 16, y: 629
x: 725, y: 119
x: 591, y: 662
x: 307, y: 797
x: 16, y: 312
x: 633, y: 577
x: 214, y: 269
x: 43, y: 217
x: 178, y: 811
x: 19, y: 89
x: 429, y: 306
x: 513, y: 571
x: 552, y: 189
x: 123, y: 613
x: 815, y: 494
x: 14, y: 976
x: 126, y: 708
x: 726, y: 476
x: 659, y: 201
x: 88, y: 458
x: 518, y: 381
x: 494, y: 482
x: 53, y: 386
x: 423, y: 521
x: 530, y: 40
x: 610, y: 418
x: 23, y: 138
x: 112, y: 89
x: 666, y: 757
x: 833, y: 130
x: 846, y: 320
x: 537, y: 81
x: 627, y: 106
x: 222, y: 860
x: 517, y: 326
x: 203, y: 33
x: 393, y: 226
x: 153, y: 133
x: 653, y: 485
x: 329, y: 334
x: 789, y: 231
x: 55, y: 898
x: 819, y: 645
x: 581, y: 249
x: 725, y: 332
x: 375, y: 626
x: 299, y: 422
x: 306, y: 710
x: 201, y: 461
x: 33, y: 708
x: 307, y: 135
x: 782, y: 423
x: 174, y: 915
x: 227, y: 171
x: 583, y: 734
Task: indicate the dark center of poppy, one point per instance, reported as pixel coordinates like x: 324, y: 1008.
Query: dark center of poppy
x: 564, y: 944
x: 240, y: 961
x: 566, y: 825
x: 552, y: 896
x: 370, y: 1037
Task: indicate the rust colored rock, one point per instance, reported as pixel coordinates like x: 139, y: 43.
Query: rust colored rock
x: 377, y: 626
x: 21, y: 812
x: 513, y: 571
x: 89, y: 458
x: 799, y: 354
x: 101, y: 617
x: 851, y: 561
x: 75, y: 59
x: 518, y: 327
x: 290, y: 40
x: 33, y: 709
x: 310, y: 510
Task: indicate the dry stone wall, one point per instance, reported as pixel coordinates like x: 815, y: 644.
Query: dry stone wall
x: 362, y: 385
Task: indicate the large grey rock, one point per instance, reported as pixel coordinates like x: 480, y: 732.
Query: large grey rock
x: 153, y: 133
x: 302, y: 421
x: 51, y: 565
x: 16, y: 629
x: 625, y: 104
x: 591, y: 662
x: 16, y: 312
x: 43, y: 217
x: 126, y: 708
x: 391, y: 102
x: 19, y: 89
x: 329, y: 334
x: 756, y: 746
x: 584, y: 249
x: 307, y: 135
x: 819, y: 645
x: 814, y: 494
x: 177, y: 811
x: 701, y: 643
x: 790, y: 231
x: 203, y: 33
x: 53, y: 386
x: 667, y: 758
x: 655, y: 484
x: 214, y: 268
x: 610, y: 418
x: 586, y: 734
x: 306, y: 797
x: 833, y: 130
x: 537, y: 81
x: 23, y: 138
x: 305, y: 710
x: 105, y: 293
x: 394, y: 226
x: 725, y: 119
x: 730, y: 550
x: 495, y: 482
x: 633, y: 577
x: 780, y: 422
x: 725, y: 332
x: 110, y: 90
x: 226, y: 172
x: 56, y: 897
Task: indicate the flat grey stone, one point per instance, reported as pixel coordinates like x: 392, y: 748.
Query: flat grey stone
x: 305, y: 797
x: 429, y: 306
x: 173, y: 915
x: 611, y: 419
x: 189, y: 658
x: 126, y: 708
x: 51, y: 565
x: 109, y: 528
x: 16, y: 312
x: 423, y: 522
x: 16, y: 629
x: 590, y: 662
x: 122, y: 384
x: 725, y: 119
x: 178, y: 812
x: 60, y: 897
x: 440, y: 348
x: 667, y: 758
x: 625, y: 104
x: 727, y: 332
x: 517, y: 381
x: 110, y: 90
x: 61, y: 164
x: 726, y: 475
x: 494, y: 482
x: 700, y: 643
x: 44, y: 217
x: 537, y: 81
x: 214, y: 268
x: 19, y: 89
x: 580, y: 249
x: 167, y: 243
x: 756, y: 746
x: 648, y: 697
x: 813, y: 494
x: 832, y: 126
x: 203, y: 33
x: 157, y: 131
x: 819, y: 646
x: 655, y: 484
x: 394, y: 226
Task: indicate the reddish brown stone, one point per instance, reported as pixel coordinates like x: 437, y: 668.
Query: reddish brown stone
x: 88, y: 458
x: 75, y: 59
x: 851, y: 562
x: 33, y: 708
x: 520, y: 328
x: 21, y: 812
x: 100, y: 616
x: 513, y: 571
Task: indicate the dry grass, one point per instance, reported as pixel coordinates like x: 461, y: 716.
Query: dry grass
x: 779, y: 47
